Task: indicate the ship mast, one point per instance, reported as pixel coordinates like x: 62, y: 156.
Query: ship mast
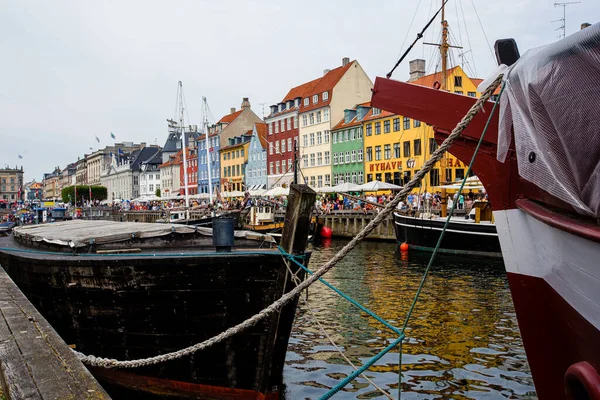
x: 183, y: 148
x: 208, y: 160
x: 444, y: 47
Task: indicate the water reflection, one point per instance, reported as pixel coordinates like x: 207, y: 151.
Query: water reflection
x: 463, y: 341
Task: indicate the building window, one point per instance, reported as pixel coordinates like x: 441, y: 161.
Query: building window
x: 270, y: 128
x: 377, y: 153
x: 460, y: 174
x: 306, y: 101
x: 283, y: 150
x: 320, y: 181
x: 351, y: 134
x: 312, y: 160
x: 458, y: 81
x: 276, y: 126
x: 458, y: 91
x: 277, y: 167
x: 396, y: 124
x: 271, y: 168
x: 335, y: 158
x: 289, y: 123
x: 305, y: 158
x: 416, y: 123
x: 406, y: 149
x: 359, y: 155
x: 346, y: 136
x: 319, y: 138
x: 327, y: 158
x: 406, y: 123
x: 353, y: 156
x: 341, y: 160
x: 304, y: 120
x: 354, y: 177
x: 360, y: 177
x: 369, y: 132
x: 311, y: 118
x: 378, y: 128
x: 305, y: 140
x: 289, y: 144
x: 334, y: 137
x: 318, y: 117
x: 417, y: 147
x: 386, y: 126
x: 327, y: 180
x: 376, y: 111
x: 271, y: 148
x: 295, y: 122
x: 434, y: 177
x: 448, y: 175
x: 312, y: 181
x: 326, y: 112
x: 432, y: 145
x: 347, y: 157
x: 471, y: 94
x: 359, y: 133
x: 369, y: 154
x: 319, y: 158
x: 315, y: 99
x: 325, y: 96
x: 396, y: 150
x: 387, y: 152
x: 312, y: 139
x: 326, y: 134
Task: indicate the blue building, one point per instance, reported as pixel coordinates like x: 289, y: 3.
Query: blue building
x: 215, y: 165
x: 256, y: 170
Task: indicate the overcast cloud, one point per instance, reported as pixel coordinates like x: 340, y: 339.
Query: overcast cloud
x: 73, y: 70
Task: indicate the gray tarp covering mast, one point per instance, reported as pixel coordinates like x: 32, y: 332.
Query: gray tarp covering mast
x: 552, y: 99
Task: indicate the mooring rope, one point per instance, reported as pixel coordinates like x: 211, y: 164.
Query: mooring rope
x: 276, y: 306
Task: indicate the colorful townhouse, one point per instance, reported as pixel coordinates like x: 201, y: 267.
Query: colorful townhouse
x: 234, y: 158
x: 347, y: 146
x: 210, y: 159
x: 256, y: 170
x: 396, y: 147
x: 324, y: 101
x: 282, y: 126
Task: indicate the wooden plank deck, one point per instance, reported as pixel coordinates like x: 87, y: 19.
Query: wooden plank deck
x: 35, y: 363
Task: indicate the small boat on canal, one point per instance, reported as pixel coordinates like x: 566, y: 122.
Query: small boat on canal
x: 127, y: 290
x: 539, y: 163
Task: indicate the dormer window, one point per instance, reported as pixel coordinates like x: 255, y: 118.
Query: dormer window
x: 315, y: 99
x: 325, y: 96
x: 376, y: 111
x: 297, y: 102
x: 306, y: 100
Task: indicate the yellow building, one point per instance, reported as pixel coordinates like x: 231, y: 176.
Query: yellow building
x: 234, y: 159
x: 396, y: 147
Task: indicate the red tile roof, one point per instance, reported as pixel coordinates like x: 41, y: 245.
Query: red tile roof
x: 429, y: 80
x: 261, y: 131
x: 299, y: 91
x: 176, y: 159
x: 201, y: 137
x: 382, y: 114
x: 324, y: 84
x: 229, y: 118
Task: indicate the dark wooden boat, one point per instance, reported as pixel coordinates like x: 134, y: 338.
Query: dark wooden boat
x: 133, y: 290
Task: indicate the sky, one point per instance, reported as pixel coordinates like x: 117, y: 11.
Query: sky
x: 74, y: 70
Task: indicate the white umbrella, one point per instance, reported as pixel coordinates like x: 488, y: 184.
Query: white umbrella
x: 375, y: 186
x: 345, y: 187
x: 277, y: 191
x: 235, y: 193
x: 325, y: 189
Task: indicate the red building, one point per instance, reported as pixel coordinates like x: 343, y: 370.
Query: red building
x: 192, y: 171
x: 282, y: 132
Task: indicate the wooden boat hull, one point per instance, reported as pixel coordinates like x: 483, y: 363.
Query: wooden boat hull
x: 139, y: 306
x: 460, y: 237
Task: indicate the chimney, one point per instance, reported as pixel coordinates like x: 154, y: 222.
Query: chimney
x: 417, y: 69
x: 585, y: 25
x: 245, y: 103
x: 345, y: 61
x: 231, y: 110
x: 326, y: 71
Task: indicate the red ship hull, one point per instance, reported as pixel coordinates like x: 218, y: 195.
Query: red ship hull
x: 551, y: 254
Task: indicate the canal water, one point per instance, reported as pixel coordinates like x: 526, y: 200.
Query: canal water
x: 463, y: 340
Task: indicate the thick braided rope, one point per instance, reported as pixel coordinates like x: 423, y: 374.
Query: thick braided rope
x: 283, y: 300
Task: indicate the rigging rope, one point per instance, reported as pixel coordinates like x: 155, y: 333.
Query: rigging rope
x: 276, y: 306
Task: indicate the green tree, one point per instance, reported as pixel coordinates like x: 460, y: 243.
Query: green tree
x: 157, y: 193
x: 98, y: 193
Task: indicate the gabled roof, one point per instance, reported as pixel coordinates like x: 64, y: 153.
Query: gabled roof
x: 229, y: 118
x: 261, y: 131
x: 299, y: 91
x: 353, y: 121
x: 325, y: 84
x: 429, y: 80
x: 382, y: 114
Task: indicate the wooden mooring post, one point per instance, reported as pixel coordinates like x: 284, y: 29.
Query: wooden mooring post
x: 35, y: 363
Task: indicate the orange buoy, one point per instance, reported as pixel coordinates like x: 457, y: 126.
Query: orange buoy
x: 404, y: 247
x: 326, y: 232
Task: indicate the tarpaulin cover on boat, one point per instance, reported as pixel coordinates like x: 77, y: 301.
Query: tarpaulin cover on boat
x: 78, y: 233
x: 552, y: 98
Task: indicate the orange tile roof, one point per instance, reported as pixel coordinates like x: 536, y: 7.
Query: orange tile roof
x: 299, y: 91
x: 353, y: 121
x: 229, y: 118
x: 261, y: 131
x: 176, y: 159
x: 201, y: 137
x: 382, y: 114
x: 429, y: 80
x: 325, y: 84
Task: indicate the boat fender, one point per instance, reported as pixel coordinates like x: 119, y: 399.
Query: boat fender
x: 582, y: 382
x: 326, y: 232
x: 404, y: 247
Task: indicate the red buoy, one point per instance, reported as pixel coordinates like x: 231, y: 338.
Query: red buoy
x: 404, y: 247
x: 326, y: 232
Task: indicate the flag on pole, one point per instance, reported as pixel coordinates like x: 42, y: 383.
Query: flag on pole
x: 112, y: 135
x: 97, y: 139
x: 121, y: 151
x: 20, y: 157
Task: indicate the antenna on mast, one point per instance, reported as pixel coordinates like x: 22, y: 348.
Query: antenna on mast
x: 563, y: 20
